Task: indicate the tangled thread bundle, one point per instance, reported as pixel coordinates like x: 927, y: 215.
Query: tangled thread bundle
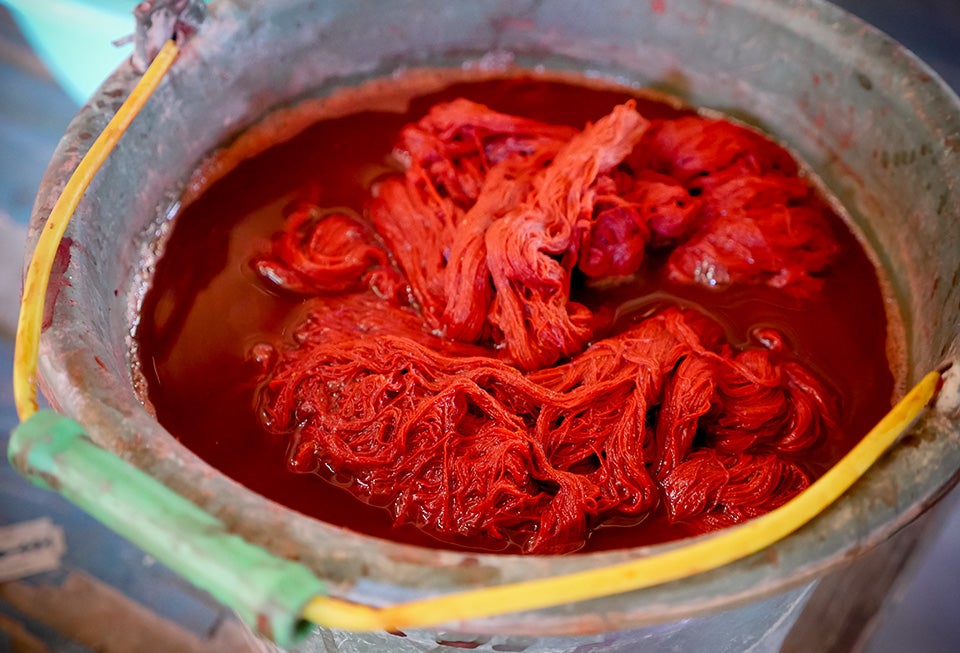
x: 444, y: 372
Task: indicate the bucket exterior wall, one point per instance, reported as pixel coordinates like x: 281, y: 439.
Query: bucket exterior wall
x: 877, y: 126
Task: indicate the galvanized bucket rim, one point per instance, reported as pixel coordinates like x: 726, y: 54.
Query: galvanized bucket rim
x: 367, y: 569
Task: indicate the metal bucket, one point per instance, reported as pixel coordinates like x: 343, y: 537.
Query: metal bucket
x: 876, y: 125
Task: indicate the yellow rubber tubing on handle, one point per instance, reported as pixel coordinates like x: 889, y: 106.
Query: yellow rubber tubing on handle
x: 723, y: 548
x: 30, y: 322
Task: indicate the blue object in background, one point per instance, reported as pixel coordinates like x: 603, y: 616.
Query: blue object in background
x: 75, y: 38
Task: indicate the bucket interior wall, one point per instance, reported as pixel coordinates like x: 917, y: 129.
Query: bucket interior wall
x: 874, y: 124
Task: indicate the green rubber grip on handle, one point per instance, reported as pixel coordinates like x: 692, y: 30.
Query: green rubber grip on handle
x: 266, y: 591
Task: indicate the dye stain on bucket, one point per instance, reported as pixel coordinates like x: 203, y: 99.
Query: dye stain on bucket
x: 521, y: 315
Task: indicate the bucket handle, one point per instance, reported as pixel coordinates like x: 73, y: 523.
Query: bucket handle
x: 279, y: 597
x: 267, y: 592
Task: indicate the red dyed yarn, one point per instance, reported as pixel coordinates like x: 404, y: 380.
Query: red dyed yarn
x: 464, y: 390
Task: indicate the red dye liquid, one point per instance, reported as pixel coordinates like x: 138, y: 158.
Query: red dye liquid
x: 208, y: 310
